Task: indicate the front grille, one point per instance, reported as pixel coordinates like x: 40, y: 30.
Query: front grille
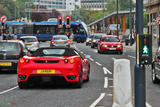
x: 112, y: 46
x: 46, y: 61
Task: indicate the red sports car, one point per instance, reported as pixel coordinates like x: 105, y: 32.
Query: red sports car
x: 53, y: 64
x: 110, y: 44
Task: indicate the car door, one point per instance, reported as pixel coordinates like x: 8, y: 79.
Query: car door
x: 84, y: 65
x: 157, y: 62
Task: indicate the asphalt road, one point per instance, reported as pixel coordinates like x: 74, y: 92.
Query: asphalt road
x: 95, y: 93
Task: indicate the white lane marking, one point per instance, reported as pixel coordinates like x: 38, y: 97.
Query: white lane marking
x: 110, y: 86
x: 98, y: 63
x: 98, y: 100
x: 110, y: 79
x: 109, y: 94
x: 131, y: 56
x: 106, y: 70
x: 148, y: 105
x: 95, y: 50
x: 113, y: 59
x: 8, y: 90
x: 82, y: 52
x: 157, y: 68
x: 91, y: 59
x: 106, y: 82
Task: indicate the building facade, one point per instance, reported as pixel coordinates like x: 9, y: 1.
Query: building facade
x: 60, y: 5
x: 93, y: 4
x: 153, y: 10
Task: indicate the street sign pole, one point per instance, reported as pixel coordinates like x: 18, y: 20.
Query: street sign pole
x: 139, y: 70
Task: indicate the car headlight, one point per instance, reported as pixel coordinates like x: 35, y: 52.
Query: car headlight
x: 119, y: 46
x: 104, y: 45
x: 94, y: 40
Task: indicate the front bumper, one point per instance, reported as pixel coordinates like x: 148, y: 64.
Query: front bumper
x: 12, y: 64
x: 109, y: 49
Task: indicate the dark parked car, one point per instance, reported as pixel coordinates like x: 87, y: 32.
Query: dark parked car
x: 156, y: 67
x: 95, y: 39
x: 10, y: 52
x: 88, y: 41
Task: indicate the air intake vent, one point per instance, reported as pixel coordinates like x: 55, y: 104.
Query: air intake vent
x: 46, y: 61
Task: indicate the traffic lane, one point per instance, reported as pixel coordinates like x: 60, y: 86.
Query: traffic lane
x: 152, y: 90
x: 59, y: 96
x: 8, y: 79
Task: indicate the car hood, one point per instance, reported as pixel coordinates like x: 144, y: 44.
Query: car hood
x: 111, y: 43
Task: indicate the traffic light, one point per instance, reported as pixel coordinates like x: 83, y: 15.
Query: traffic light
x: 60, y: 25
x: 145, y: 49
x: 68, y: 21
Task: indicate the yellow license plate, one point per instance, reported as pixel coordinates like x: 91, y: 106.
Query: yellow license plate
x: 43, y: 71
x: 28, y: 44
x: 5, y: 64
x: 61, y: 42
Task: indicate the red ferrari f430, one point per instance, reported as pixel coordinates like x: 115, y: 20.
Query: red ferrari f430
x: 56, y: 64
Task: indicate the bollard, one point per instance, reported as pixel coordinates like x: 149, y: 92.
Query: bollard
x: 122, y: 88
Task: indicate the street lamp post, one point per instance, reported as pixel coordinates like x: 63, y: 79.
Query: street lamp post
x: 103, y: 17
x: 117, y: 19
x: 130, y: 22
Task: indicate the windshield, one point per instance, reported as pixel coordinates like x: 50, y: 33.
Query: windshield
x: 97, y: 36
x: 26, y: 40
x: 110, y: 39
x: 60, y: 38
x: 8, y: 47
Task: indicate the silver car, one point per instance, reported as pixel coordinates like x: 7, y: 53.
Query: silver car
x: 60, y: 40
x: 31, y: 42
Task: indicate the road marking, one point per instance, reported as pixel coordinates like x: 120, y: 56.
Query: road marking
x: 109, y: 95
x: 148, y: 105
x: 98, y: 63
x: 106, y: 82
x: 82, y: 52
x: 98, y: 100
x: 111, y: 86
x: 8, y: 90
x: 113, y: 59
x: 157, y: 68
x: 110, y: 79
x: 91, y: 59
x: 131, y: 56
x: 106, y: 70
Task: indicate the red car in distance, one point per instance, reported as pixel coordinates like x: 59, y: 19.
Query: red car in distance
x: 53, y: 65
x: 110, y: 44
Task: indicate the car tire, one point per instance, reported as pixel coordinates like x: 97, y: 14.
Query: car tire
x: 79, y: 83
x: 78, y: 40
x: 23, y: 85
x: 88, y: 78
x: 92, y: 46
x: 155, y: 80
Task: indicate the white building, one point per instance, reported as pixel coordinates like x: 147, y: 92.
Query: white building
x: 93, y: 4
x: 60, y: 5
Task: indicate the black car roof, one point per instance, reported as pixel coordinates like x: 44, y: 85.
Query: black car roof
x: 69, y: 51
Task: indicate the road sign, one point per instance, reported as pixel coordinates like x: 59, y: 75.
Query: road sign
x: 158, y: 20
x: 3, y: 19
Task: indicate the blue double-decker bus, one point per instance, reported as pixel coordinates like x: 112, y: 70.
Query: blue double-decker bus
x: 44, y: 31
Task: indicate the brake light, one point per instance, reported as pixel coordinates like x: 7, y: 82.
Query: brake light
x: 21, y: 60
x: 68, y: 41
x: 53, y: 42
x: 69, y: 60
x: 24, y: 60
x: 36, y: 40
